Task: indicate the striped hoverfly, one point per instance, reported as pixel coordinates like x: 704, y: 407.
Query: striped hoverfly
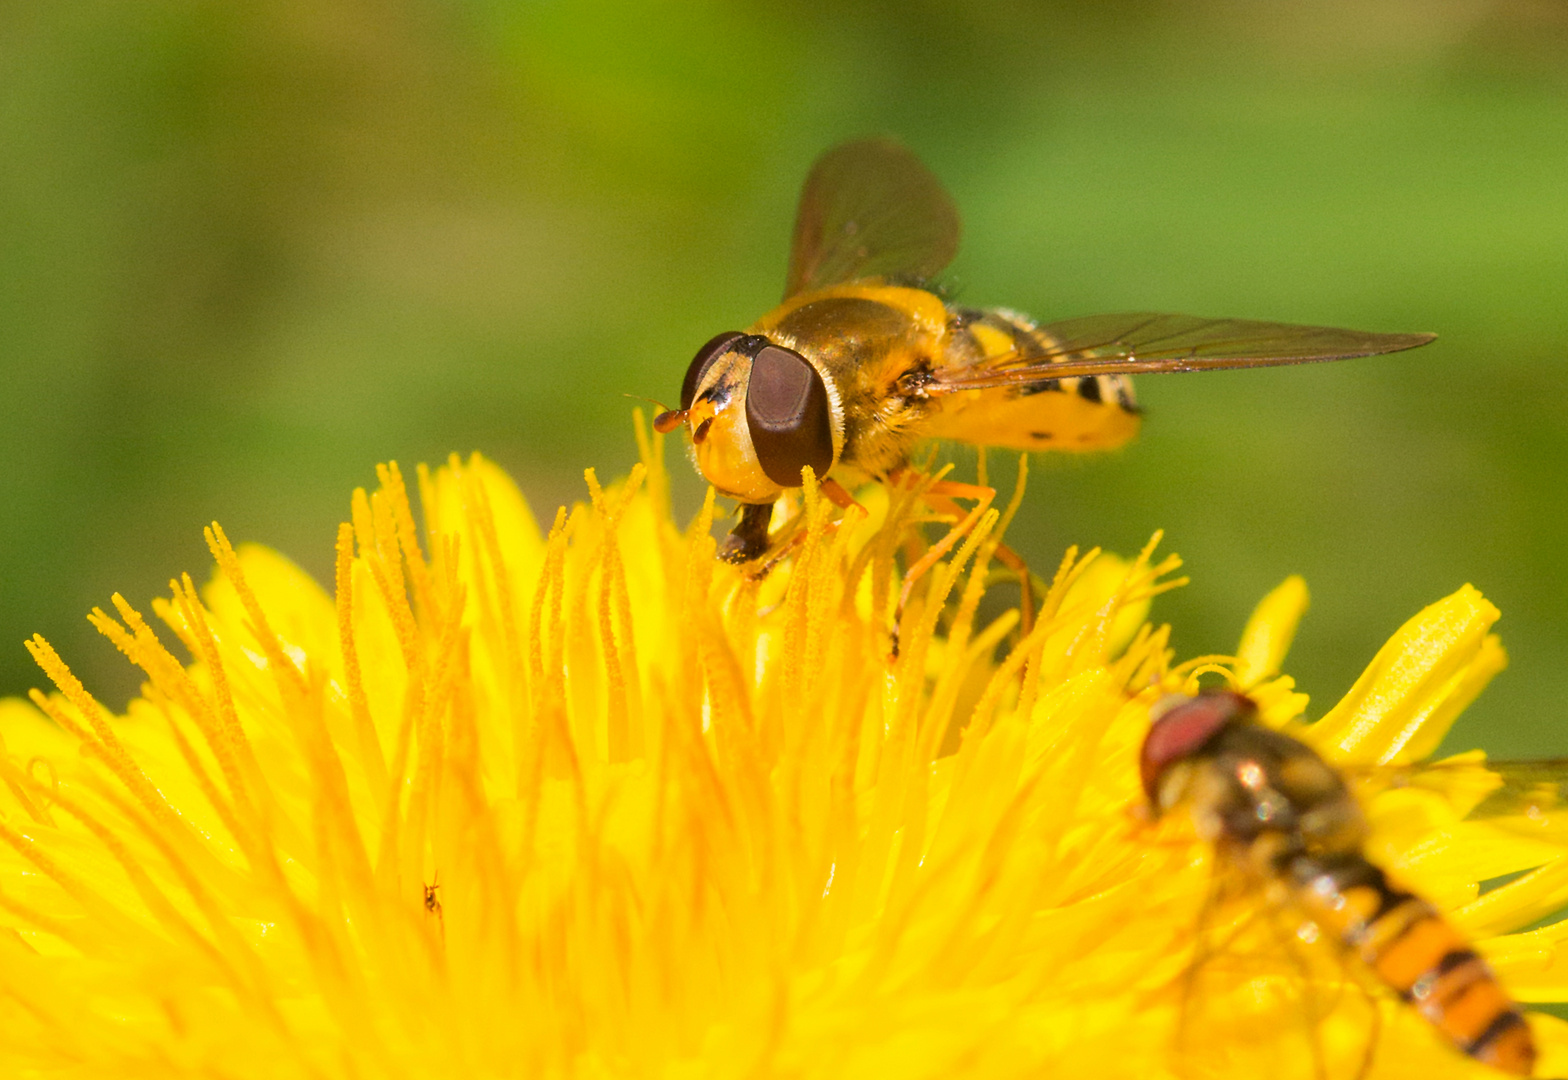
x: 1288, y: 828
x: 864, y: 358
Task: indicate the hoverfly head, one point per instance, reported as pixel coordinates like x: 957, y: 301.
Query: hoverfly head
x: 1181, y: 728
x: 758, y: 413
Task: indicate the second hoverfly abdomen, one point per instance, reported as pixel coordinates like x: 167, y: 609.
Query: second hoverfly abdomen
x: 1417, y: 953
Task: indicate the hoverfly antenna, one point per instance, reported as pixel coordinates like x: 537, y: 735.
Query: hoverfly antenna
x: 668, y: 420
x: 665, y: 419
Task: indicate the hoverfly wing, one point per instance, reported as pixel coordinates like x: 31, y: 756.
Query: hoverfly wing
x: 870, y: 209
x: 1521, y: 796
x: 1144, y: 342
x: 1533, y: 790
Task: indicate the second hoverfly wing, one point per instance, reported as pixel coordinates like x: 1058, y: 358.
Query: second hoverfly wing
x: 1144, y: 342
x: 1536, y: 791
x: 870, y: 209
x: 1529, y: 797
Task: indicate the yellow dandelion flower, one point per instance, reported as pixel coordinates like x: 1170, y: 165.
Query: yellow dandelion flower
x: 589, y: 803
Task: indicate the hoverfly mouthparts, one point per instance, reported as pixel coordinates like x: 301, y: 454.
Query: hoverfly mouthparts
x: 787, y: 415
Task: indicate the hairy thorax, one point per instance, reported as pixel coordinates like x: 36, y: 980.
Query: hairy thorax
x: 874, y: 345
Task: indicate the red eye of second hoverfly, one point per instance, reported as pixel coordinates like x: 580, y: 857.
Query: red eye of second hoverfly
x: 1184, y: 729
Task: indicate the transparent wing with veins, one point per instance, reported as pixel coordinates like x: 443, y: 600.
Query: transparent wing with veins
x: 870, y: 209
x: 1144, y: 342
x: 1525, y: 796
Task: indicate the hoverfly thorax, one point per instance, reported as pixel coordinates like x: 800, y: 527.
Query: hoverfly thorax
x: 759, y: 413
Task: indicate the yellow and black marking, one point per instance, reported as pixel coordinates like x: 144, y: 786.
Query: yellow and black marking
x: 1407, y: 943
x: 1078, y: 413
x: 879, y: 346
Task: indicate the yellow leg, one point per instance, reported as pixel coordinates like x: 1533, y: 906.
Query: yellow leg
x: 835, y: 493
x: 1015, y: 562
x: 940, y: 496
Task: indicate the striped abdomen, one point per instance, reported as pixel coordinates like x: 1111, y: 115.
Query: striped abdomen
x: 1096, y: 412
x: 1000, y: 332
x: 1414, y: 950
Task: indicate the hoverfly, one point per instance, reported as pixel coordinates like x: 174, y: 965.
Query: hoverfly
x: 1287, y: 820
x: 863, y: 359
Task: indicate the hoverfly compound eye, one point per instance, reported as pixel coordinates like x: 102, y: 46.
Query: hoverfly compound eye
x: 715, y: 348
x: 787, y: 415
x: 1183, y: 729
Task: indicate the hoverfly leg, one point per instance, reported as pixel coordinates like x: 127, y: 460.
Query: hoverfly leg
x: 794, y: 530
x: 1213, y: 938
x: 1354, y: 975
x: 1202, y: 951
x: 940, y: 492
x: 1312, y: 1016
x: 837, y: 494
x: 1015, y: 562
x: 796, y: 537
x: 1369, y: 1054
x: 749, y: 538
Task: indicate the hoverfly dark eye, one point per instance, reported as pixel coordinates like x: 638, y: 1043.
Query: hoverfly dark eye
x: 706, y: 355
x: 787, y: 413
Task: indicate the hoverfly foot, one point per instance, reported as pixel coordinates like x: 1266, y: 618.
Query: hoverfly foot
x: 781, y: 552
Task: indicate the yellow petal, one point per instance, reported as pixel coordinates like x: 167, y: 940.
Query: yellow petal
x: 1551, y: 1040
x: 1269, y: 632
x: 1533, y: 965
x: 593, y: 804
x: 1407, y: 698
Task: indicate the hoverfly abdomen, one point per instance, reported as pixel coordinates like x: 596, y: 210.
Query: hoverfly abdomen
x: 1282, y: 813
x: 1075, y: 412
x: 1003, y: 331
x: 1418, y: 954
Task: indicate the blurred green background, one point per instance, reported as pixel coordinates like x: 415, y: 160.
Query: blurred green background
x: 249, y: 250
